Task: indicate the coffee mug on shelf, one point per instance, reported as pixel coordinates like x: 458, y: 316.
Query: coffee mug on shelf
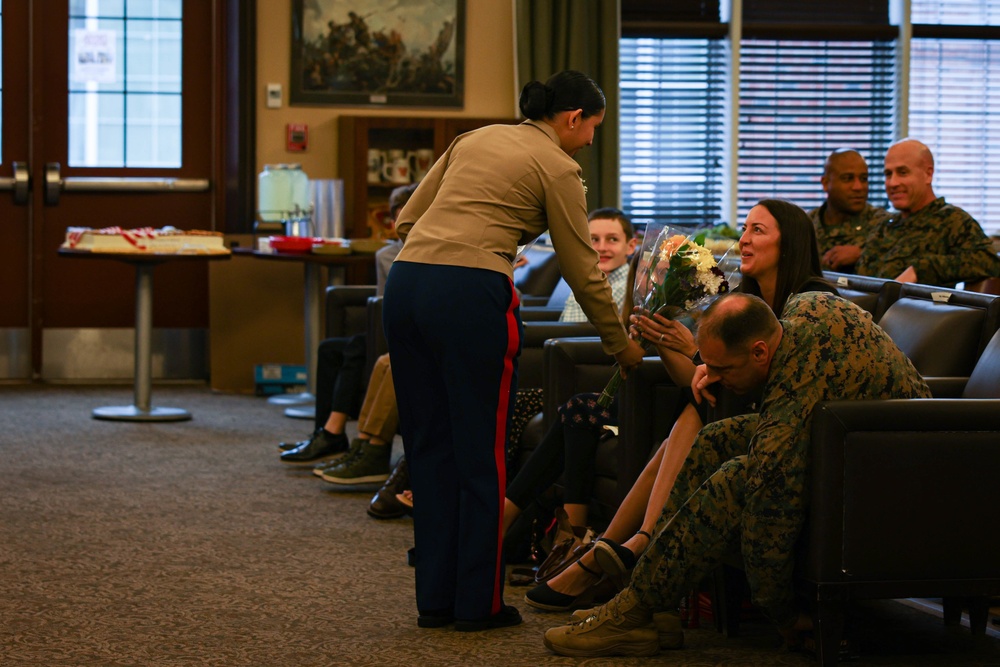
x: 397, y: 170
x: 421, y: 161
x: 376, y: 164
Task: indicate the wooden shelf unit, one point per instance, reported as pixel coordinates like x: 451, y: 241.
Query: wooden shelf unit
x: 359, y: 133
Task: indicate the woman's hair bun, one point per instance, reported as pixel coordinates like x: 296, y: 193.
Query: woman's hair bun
x: 535, y: 100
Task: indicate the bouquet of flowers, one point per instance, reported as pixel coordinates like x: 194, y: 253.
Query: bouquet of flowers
x: 678, y: 275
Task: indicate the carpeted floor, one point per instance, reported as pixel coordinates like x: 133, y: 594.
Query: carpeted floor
x: 191, y: 544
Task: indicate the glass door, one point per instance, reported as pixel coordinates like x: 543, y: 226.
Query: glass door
x: 118, y: 100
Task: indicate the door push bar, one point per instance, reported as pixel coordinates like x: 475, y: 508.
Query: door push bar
x: 56, y: 184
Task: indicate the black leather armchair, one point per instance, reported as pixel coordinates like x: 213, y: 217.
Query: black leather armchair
x: 551, y: 309
x: 578, y: 365
x: 943, y: 338
x: 346, y: 309
x: 892, y: 486
x: 538, y: 278
x: 873, y: 294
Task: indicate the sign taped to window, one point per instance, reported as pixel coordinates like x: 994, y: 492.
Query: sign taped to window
x: 94, y: 56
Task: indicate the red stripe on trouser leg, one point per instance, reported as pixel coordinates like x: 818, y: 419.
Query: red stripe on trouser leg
x: 500, y: 441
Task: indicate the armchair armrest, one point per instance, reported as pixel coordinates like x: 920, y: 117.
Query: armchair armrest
x: 649, y: 405
x: 531, y: 365
x: 572, y: 366
x: 894, y: 487
x: 540, y: 313
x: 946, y: 387
x: 345, y: 309
x: 533, y: 301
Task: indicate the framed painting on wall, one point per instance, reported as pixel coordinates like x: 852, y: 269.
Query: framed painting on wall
x: 378, y: 52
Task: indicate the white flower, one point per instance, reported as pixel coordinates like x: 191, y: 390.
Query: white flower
x: 700, y: 256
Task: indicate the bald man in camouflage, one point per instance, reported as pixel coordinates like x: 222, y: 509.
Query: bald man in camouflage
x: 928, y: 241
x: 744, y: 486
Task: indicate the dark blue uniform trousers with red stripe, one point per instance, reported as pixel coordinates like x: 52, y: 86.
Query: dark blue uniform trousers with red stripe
x: 454, y: 334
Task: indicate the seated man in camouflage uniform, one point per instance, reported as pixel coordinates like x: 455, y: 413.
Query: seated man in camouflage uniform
x: 844, y: 220
x: 744, y: 483
x: 928, y: 241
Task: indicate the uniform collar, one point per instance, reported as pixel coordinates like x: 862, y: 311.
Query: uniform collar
x: 547, y: 129
x: 931, y: 208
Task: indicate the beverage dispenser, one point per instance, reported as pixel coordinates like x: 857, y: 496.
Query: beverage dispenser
x: 283, y: 198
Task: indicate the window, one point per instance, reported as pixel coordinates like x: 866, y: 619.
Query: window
x: 805, y: 89
x: 799, y: 101
x: 672, y: 148
x: 125, y: 83
x: 953, y: 106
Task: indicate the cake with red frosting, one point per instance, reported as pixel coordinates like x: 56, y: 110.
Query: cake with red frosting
x: 166, y: 241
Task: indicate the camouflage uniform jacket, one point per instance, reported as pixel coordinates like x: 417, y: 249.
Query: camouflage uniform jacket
x: 942, y: 242
x: 831, y: 349
x: 851, y: 231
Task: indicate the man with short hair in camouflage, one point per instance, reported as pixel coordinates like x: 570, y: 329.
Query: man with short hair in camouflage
x: 927, y: 241
x: 744, y: 484
x: 846, y: 217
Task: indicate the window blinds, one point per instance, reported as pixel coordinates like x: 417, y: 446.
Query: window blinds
x: 954, y: 64
x: 672, y: 134
x: 800, y: 100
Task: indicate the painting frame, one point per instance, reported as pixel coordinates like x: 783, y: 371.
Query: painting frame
x: 371, y: 53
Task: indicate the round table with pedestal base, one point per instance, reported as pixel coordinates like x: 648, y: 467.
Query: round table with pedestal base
x: 142, y: 409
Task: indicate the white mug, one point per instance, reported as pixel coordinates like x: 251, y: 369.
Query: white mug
x: 376, y: 163
x: 397, y: 171
x: 421, y: 161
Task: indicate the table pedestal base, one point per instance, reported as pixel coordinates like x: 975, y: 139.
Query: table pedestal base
x: 132, y: 413
x: 301, y: 412
x: 292, y: 399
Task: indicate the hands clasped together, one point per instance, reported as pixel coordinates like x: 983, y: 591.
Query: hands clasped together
x: 670, y: 335
x: 664, y: 333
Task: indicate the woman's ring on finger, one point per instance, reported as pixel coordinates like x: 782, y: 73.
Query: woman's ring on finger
x: 661, y: 338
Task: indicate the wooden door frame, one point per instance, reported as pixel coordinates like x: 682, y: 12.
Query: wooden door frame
x: 233, y: 153
x: 237, y: 88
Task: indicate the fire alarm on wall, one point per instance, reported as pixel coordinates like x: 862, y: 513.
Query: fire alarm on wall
x: 298, y: 137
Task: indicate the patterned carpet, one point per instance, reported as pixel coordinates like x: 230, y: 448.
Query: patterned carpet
x: 191, y: 544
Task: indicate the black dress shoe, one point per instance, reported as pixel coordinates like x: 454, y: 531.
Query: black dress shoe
x: 289, y: 446
x: 435, y: 619
x: 384, y: 504
x: 322, y: 445
x: 504, y: 618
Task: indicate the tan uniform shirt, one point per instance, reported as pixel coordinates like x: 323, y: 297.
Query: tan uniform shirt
x: 499, y: 187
